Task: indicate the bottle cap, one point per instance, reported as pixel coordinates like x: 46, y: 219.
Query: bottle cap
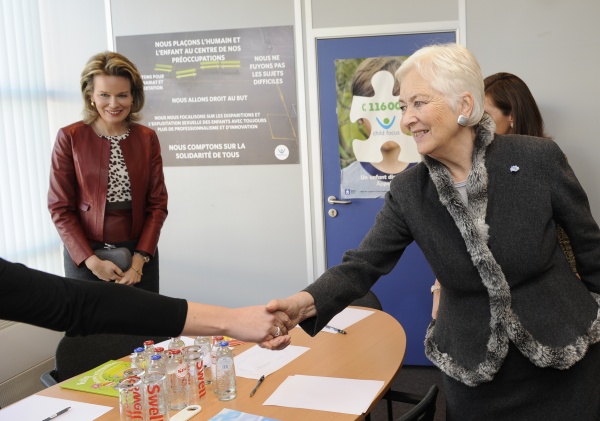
x: 149, y: 343
x: 174, y: 351
x: 139, y: 349
x: 155, y: 357
x: 158, y: 349
x: 224, y: 343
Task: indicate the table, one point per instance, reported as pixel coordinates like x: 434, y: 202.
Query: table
x: 373, y: 349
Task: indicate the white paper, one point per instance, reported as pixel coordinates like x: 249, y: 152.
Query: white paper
x: 347, y: 317
x: 346, y: 396
x: 257, y: 361
x: 38, y: 408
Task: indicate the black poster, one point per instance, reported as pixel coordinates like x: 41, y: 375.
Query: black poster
x: 225, y: 97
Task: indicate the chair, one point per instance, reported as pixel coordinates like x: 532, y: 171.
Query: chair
x: 424, y: 409
x: 77, y: 354
x: 369, y: 300
x: 425, y: 406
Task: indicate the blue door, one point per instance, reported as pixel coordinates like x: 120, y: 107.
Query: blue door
x: 404, y: 293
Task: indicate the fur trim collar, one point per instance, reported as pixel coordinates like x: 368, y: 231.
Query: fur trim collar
x: 504, y: 325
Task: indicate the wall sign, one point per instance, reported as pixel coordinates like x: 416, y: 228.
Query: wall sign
x: 225, y: 97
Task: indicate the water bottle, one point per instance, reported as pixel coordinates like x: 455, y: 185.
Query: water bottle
x: 176, y: 343
x: 204, y: 343
x: 139, y: 358
x: 213, y: 357
x: 148, y: 350
x: 225, y: 374
x: 156, y: 391
x: 156, y: 365
x: 195, y: 364
x: 159, y: 350
x: 177, y: 374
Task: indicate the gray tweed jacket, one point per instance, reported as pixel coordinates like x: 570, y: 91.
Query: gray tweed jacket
x: 503, y: 274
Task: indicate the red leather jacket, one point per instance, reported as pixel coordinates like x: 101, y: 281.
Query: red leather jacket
x: 79, y: 184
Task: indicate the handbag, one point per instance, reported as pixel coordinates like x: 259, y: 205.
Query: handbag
x: 120, y: 256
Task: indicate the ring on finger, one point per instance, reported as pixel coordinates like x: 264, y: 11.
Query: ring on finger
x: 278, y: 333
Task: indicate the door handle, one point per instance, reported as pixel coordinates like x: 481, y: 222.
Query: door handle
x: 332, y: 200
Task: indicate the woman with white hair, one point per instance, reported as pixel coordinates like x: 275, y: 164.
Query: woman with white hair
x: 516, y: 331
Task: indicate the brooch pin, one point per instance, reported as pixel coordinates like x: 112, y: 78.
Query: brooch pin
x: 514, y: 169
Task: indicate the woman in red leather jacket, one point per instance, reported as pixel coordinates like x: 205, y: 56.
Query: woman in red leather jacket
x: 106, y: 178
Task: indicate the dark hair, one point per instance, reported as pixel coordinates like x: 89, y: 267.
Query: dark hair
x: 512, y: 96
x: 361, y: 80
x: 111, y: 64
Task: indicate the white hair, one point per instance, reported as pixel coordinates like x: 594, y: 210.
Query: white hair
x: 452, y: 70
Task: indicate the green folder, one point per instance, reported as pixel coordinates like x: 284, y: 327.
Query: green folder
x: 101, y: 380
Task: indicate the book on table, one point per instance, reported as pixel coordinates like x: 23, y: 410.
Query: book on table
x: 101, y: 380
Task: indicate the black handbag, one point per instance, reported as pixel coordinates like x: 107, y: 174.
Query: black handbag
x: 120, y: 256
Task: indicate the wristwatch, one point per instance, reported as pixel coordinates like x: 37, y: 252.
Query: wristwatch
x: 144, y: 257
x: 435, y: 287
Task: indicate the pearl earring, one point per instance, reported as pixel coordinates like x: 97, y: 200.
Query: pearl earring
x: 93, y: 105
x: 462, y: 120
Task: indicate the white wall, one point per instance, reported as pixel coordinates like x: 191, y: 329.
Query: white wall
x: 553, y: 46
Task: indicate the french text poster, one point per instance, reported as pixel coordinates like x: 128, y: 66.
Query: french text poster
x: 224, y: 97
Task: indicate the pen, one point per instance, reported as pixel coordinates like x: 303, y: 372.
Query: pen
x: 257, y: 384
x: 62, y: 411
x: 343, y: 332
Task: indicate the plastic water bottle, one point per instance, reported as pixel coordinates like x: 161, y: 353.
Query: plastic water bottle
x: 156, y: 391
x: 139, y: 358
x: 177, y: 374
x: 195, y: 364
x: 204, y: 343
x: 225, y: 378
x: 148, y: 350
x: 159, y: 350
x: 156, y: 365
x: 176, y: 343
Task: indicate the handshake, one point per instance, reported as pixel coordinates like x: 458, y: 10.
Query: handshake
x: 268, y: 326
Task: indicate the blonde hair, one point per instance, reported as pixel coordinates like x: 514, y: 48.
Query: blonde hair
x: 111, y: 64
x: 452, y: 70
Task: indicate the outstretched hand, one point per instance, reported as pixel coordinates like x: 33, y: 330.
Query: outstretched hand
x: 289, y: 311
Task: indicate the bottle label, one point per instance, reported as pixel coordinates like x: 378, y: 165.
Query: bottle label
x: 200, y: 379
x: 153, y: 393
x: 181, y: 371
x: 135, y: 411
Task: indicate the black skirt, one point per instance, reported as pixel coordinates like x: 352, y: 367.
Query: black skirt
x: 521, y: 391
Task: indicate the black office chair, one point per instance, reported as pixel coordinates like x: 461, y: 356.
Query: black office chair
x: 424, y: 409
x: 77, y: 354
x: 425, y: 406
x: 369, y: 300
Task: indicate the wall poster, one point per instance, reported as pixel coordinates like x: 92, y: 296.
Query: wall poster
x: 223, y: 97
x: 373, y: 149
